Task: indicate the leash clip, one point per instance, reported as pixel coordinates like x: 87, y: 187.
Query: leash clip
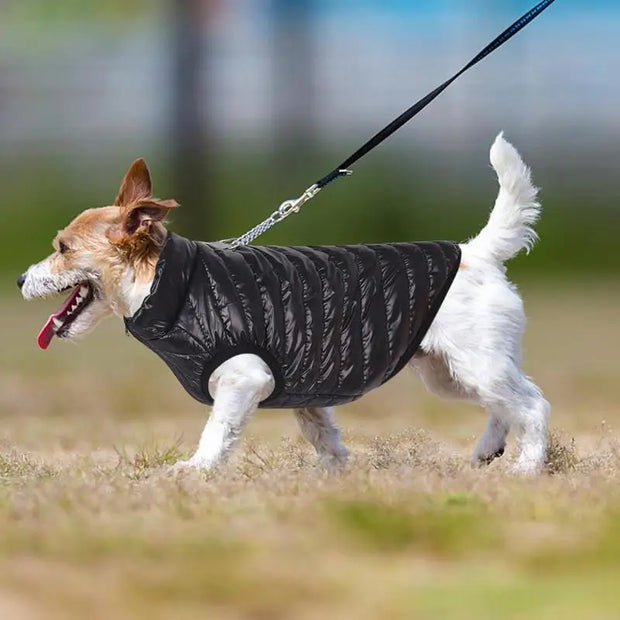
x: 288, y: 207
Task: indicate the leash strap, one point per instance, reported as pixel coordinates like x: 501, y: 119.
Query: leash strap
x: 293, y: 206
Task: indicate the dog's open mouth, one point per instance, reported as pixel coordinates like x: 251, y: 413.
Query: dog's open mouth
x: 58, y: 323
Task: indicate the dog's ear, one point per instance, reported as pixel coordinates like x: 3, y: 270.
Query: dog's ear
x: 139, y: 217
x: 140, y: 225
x: 136, y: 185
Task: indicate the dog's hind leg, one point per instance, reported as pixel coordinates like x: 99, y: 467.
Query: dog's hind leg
x: 515, y: 403
x: 437, y: 377
x: 528, y: 415
x: 512, y: 401
x: 237, y: 386
x: 318, y: 426
x: 492, y: 442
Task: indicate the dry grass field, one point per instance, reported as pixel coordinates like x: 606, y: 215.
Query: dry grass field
x: 94, y: 525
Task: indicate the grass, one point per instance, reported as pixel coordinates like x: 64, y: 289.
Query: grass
x: 562, y: 456
x: 149, y: 457
x: 95, y: 524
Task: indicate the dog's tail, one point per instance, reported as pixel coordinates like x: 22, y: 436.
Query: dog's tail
x: 509, y: 229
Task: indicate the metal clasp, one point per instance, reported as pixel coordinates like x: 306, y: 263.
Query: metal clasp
x: 287, y: 208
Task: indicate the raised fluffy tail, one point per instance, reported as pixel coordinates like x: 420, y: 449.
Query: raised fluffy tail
x: 509, y: 229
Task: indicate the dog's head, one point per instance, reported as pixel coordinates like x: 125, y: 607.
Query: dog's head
x: 106, y: 257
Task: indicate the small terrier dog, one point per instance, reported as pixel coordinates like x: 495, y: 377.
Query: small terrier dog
x: 107, y: 258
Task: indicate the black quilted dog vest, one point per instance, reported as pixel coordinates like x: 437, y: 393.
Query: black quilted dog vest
x: 331, y: 322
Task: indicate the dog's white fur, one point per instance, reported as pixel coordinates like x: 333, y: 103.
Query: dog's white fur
x: 471, y: 351
x: 473, y: 347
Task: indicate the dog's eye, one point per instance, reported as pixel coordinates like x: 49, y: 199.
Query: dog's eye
x: 62, y: 247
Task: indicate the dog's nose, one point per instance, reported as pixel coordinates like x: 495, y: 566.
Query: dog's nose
x: 21, y: 280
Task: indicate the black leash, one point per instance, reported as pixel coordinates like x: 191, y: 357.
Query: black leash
x: 293, y: 206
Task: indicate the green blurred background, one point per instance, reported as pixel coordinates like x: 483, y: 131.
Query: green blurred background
x: 240, y: 105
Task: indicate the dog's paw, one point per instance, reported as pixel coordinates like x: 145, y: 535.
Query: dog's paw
x: 526, y: 469
x: 334, y: 463
x: 192, y: 464
x: 483, y: 460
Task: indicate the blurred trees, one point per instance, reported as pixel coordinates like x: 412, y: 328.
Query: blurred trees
x: 87, y: 87
x: 293, y: 79
x: 189, y: 112
x: 294, y: 99
x: 67, y: 10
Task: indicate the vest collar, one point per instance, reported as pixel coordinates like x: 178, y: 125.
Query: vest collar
x: 161, y: 307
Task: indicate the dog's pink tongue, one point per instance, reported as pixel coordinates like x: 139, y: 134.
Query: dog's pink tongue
x: 46, y: 334
x: 49, y: 329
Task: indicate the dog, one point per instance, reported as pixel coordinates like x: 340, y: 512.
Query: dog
x: 109, y: 258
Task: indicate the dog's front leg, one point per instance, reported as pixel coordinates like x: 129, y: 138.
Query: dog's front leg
x: 237, y: 387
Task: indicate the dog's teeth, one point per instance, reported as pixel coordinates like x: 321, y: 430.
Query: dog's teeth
x: 83, y: 291
x: 57, y: 323
x: 73, y: 307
